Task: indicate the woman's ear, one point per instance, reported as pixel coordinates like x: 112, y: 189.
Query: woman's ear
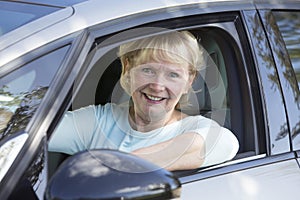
x: 190, y: 82
x: 191, y: 79
x: 126, y: 65
x: 127, y: 69
x: 187, y: 87
x: 125, y: 76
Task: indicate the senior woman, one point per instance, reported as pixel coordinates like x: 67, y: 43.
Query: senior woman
x: 157, y: 72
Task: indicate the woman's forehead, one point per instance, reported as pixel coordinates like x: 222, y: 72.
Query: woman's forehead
x: 168, y: 53
x: 161, y: 57
x: 165, y: 65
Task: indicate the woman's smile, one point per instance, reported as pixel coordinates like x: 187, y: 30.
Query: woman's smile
x: 153, y: 99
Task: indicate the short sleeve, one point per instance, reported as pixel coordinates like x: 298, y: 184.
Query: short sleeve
x: 223, y: 148
x: 74, y: 131
x: 220, y: 143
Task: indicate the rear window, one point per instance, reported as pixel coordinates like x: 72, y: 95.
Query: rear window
x: 14, y: 14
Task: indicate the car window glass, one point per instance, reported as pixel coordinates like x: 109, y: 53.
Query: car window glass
x: 22, y: 90
x: 289, y: 25
x: 14, y: 15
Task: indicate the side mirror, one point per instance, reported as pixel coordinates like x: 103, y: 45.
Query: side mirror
x: 110, y: 174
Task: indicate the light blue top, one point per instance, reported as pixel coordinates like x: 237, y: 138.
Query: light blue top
x: 107, y: 126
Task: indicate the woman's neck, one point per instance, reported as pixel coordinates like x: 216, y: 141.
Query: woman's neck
x: 144, y: 124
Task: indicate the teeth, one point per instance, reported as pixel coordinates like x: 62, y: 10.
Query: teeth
x: 154, y: 98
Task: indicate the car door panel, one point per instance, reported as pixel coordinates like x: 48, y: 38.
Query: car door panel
x: 271, y: 181
x: 286, y: 28
x: 271, y: 94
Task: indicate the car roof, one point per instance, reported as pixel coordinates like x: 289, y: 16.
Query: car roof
x: 77, y: 15
x: 65, y: 3
x: 56, y: 3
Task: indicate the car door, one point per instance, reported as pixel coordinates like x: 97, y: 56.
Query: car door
x: 273, y: 174
x: 240, y: 91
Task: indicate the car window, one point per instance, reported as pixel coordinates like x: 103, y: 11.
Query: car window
x: 215, y: 95
x: 14, y: 14
x: 289, y: 25
x: 22, y: 90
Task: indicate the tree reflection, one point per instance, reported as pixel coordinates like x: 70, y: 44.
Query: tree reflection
x: 288, y: 27
x: 284, y: 131
x: 34, y: 172
x: 284, y: 80
x: 294, y: 51
x: 26, y: 109
x: 269, y: 78
x: 5, y: 116
x: 17, y: 121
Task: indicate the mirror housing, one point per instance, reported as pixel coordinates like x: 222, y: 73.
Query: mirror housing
x: 111, y: 174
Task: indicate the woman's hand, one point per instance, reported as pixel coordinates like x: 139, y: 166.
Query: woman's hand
x: 183, y: 152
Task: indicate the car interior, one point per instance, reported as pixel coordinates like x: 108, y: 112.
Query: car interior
x: 217, y: 89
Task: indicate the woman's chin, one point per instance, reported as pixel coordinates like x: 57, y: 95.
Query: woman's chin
x: 157, y: 113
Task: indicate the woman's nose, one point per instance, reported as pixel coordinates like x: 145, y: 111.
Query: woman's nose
x: 158, y: 83
x: 157, y: 86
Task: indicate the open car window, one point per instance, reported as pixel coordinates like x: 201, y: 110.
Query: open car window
x: 219, y: 91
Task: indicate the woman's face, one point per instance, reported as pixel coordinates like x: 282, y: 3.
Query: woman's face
x: 157, y: 87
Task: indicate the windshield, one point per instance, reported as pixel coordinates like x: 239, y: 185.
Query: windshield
x: 15, y: 14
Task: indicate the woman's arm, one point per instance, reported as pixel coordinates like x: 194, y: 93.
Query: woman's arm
x: 182, y: 152
x: 74, y: 131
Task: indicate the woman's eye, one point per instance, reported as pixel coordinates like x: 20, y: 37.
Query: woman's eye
x: 147, y: 71
x: 174, y: 75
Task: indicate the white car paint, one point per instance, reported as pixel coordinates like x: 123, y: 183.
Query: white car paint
x: 274, y: 181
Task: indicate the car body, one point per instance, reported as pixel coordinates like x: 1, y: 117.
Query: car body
x: 49, y: 50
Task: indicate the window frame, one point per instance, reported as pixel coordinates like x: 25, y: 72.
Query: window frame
x: 41, y: 120
x: 270, y: 91
x: 289, y: 83
x: 98, y: 33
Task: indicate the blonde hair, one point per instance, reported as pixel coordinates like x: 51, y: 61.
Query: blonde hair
x: 174, y: 47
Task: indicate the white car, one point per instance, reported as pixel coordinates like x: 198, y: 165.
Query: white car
x: 60, y: 55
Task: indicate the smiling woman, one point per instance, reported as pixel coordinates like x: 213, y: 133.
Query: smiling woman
x: 157, y: 72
